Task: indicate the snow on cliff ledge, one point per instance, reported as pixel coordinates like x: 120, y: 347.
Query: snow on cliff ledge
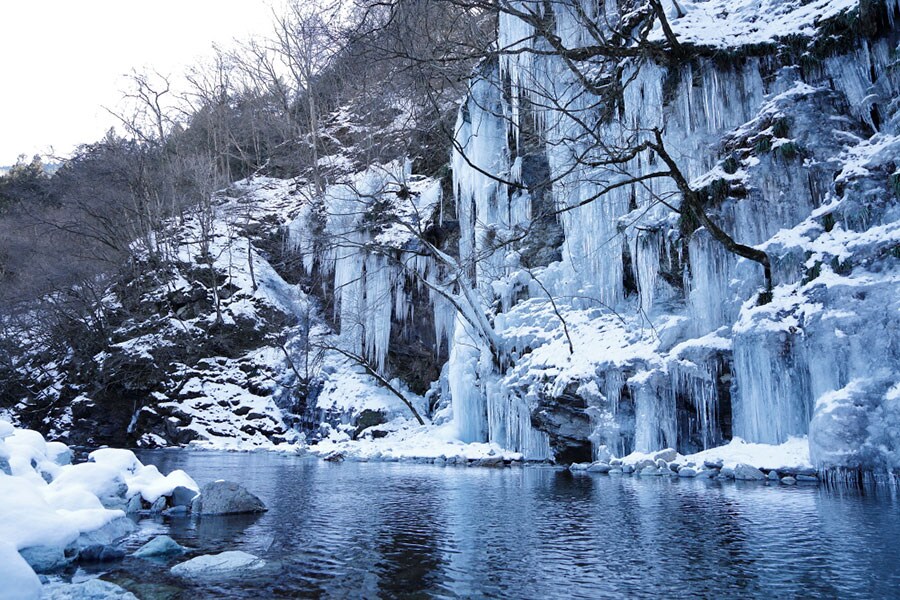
x: 734, y: 23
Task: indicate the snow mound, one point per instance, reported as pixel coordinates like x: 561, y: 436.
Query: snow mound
x: 792, y: 454
x: 406, y: 440
x: 51, y: 510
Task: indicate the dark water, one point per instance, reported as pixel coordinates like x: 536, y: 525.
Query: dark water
x: 420, y: 531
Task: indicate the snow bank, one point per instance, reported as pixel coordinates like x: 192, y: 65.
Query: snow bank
x: 19, y: 581
x: 792, y: 454
x: 50, y: 510
x: 407, y: 440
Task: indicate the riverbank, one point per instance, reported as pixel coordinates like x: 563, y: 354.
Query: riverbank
x: 55, y: 513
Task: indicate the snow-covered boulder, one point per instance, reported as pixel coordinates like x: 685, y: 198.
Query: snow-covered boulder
x: 55, y: 512
x: 92, y: 589
x: 19, y: 581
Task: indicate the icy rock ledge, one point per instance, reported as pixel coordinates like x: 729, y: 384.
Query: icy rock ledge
x: 786, y: 463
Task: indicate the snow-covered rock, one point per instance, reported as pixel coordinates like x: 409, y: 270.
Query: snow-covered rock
x: 45, y: 525
x: 19, y: 580
x: 92, y: 589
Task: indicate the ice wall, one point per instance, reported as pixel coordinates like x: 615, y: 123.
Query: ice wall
x: 369, y: 245
x: 770, y: 141
x: 492, y: 208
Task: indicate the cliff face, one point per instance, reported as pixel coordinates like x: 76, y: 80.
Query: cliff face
x: 555, y: 297
x: 788, y: 125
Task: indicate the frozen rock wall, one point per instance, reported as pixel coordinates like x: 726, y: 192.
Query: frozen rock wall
x: 648, y: 329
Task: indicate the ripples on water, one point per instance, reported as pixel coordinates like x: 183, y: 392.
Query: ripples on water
x: 421, y: 531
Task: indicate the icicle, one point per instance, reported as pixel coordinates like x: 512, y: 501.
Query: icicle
x: 468, y: 397
x: 645, y: 261
x: 654, y: 416
x: 772, y: 400
x: 377, y: 310
x: 699, y: 384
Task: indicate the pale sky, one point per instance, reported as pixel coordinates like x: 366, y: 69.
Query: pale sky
x: 62, y: 60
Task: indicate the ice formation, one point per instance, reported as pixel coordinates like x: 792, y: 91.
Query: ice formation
x: 643, y: 331
x: 804, y: 145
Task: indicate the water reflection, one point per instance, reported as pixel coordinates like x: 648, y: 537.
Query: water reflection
x: 420, y: 531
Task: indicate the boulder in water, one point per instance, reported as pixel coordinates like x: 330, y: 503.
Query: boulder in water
x: 92, y: 589
x: 161, y: 545
x: 489, y: 461
x: 227, y: 498
x: 217, y: 565
x: 644, y: 463
x: 182, y: 496
x: 100, y: 553
x: 745, y: 472
x: 334, y: 457
x: 134, y: 505
x: 159, y: 505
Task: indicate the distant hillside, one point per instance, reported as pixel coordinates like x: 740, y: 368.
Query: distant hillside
x: 49, y: 168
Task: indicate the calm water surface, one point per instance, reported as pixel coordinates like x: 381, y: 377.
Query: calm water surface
x: 383, y: 530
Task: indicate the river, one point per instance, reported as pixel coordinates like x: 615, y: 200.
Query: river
x: 370, y: 530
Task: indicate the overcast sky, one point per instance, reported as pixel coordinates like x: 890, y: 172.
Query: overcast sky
x: 62, y: 60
